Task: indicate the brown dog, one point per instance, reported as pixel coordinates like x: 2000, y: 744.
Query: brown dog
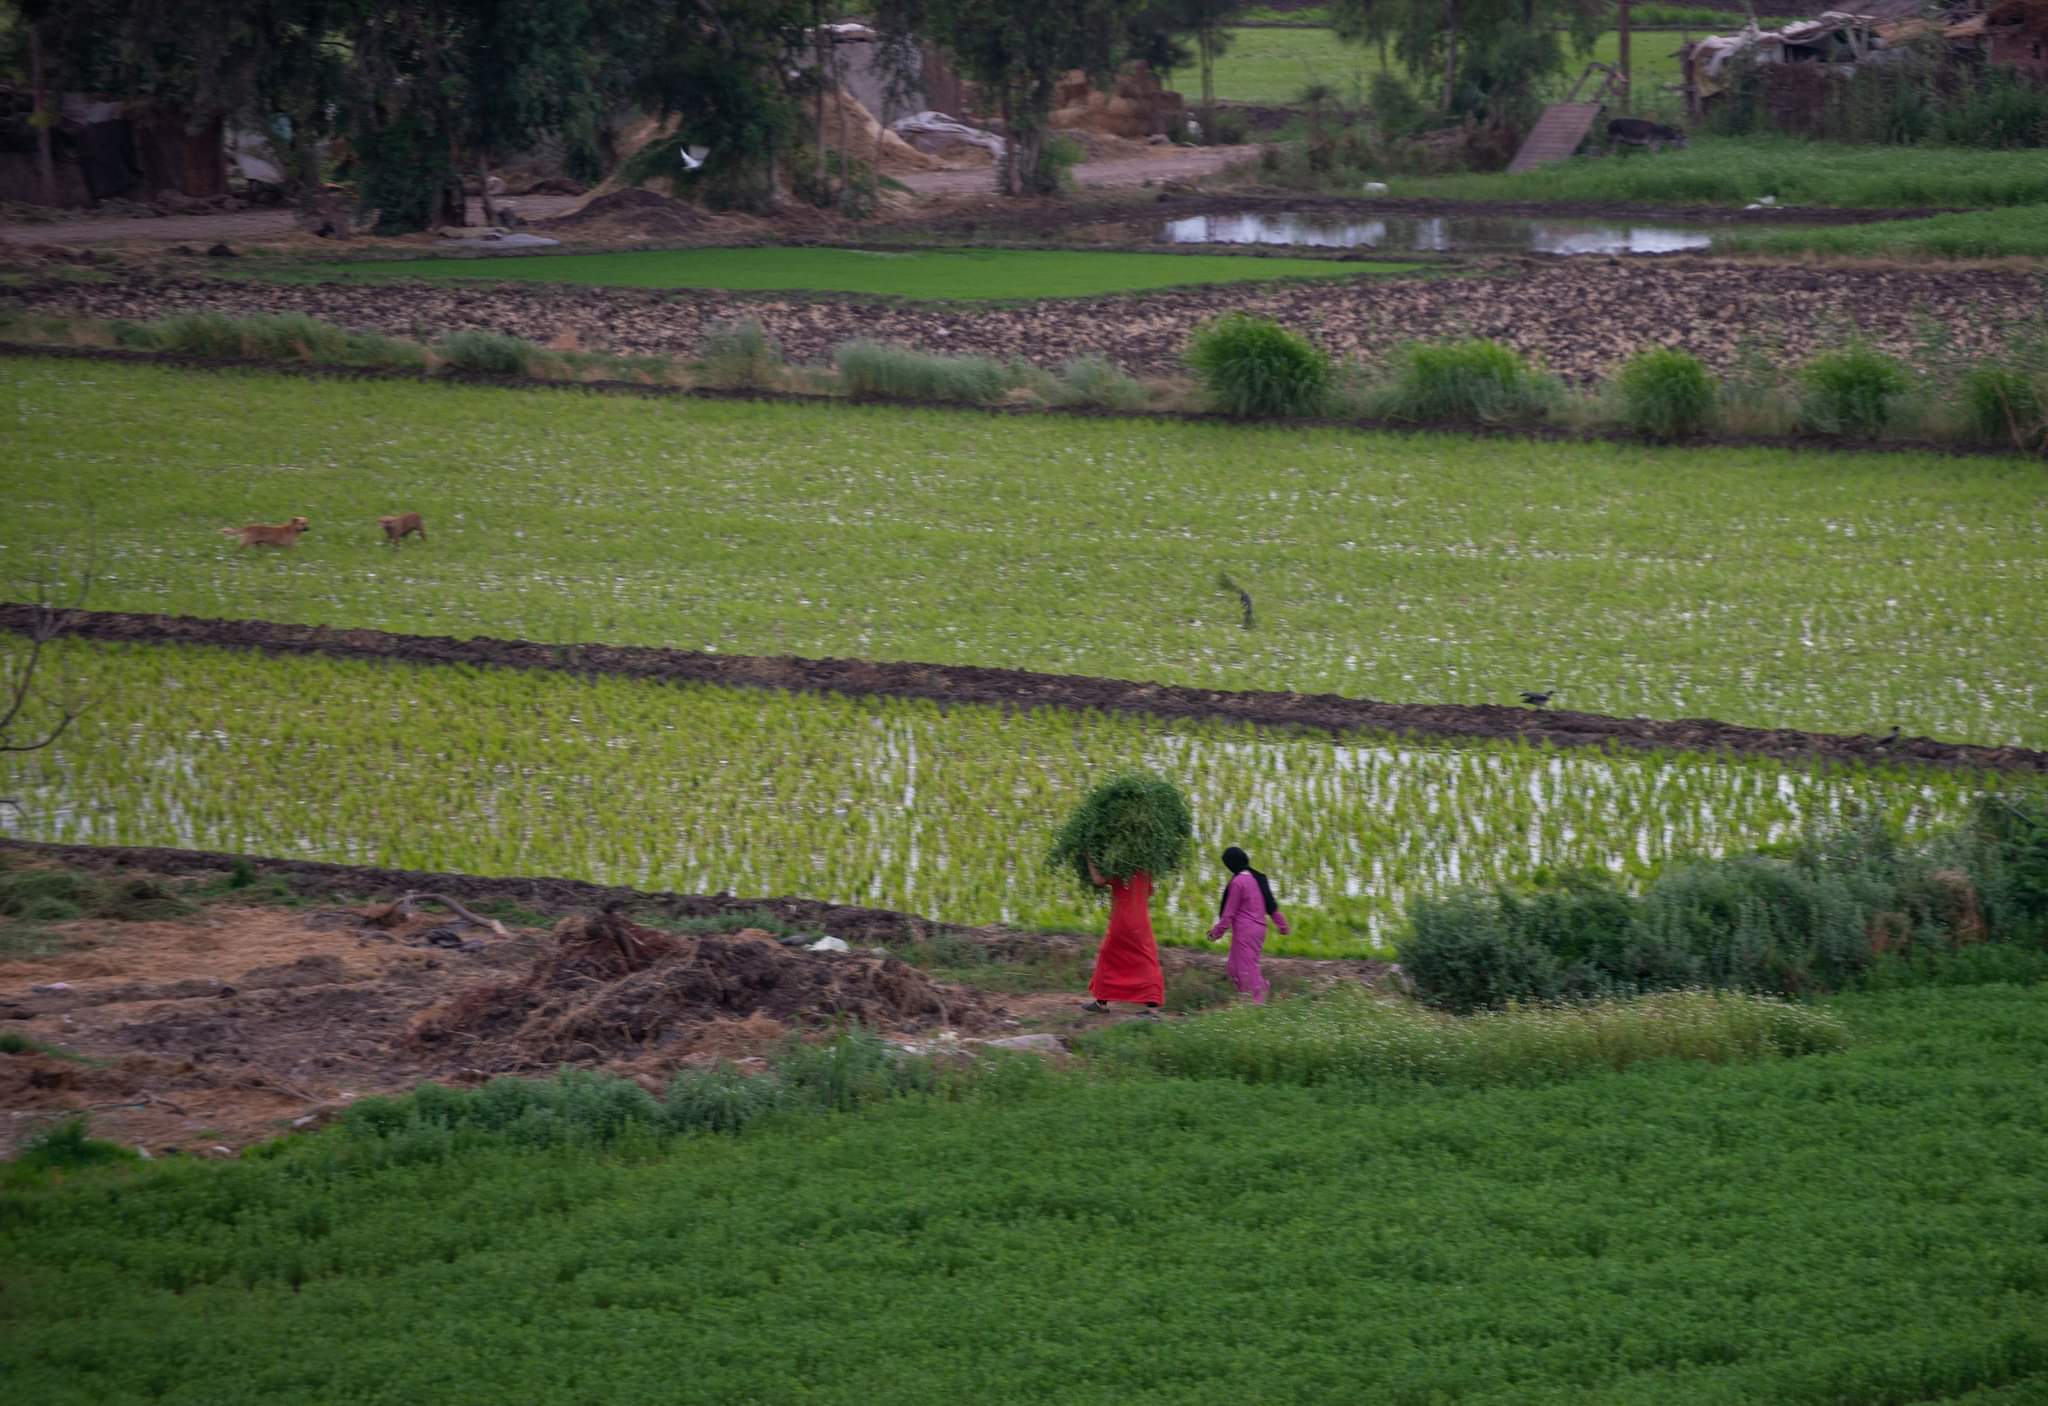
x: 263, y: 534
x: 398, y: 524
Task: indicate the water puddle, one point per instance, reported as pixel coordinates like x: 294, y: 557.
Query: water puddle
x: 1437, y: 234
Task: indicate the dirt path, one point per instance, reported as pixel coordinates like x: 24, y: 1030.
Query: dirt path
x: 255, y: 226
x: 955, y: 683
x: 243, y: 1020
x: 1170, y: 163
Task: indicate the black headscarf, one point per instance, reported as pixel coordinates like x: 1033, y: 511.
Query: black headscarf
x: 1238, y: 862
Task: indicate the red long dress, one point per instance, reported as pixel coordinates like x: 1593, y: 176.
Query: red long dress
x: 1127, y: 964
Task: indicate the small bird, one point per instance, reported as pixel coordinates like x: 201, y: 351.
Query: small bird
x: 693, y: 157
x: 1889, y: 737
x: 1537, y: 700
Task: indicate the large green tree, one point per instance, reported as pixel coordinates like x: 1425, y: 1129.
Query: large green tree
x: 1483, y: 58
x: 1017, y: 51
x: 727, y: 72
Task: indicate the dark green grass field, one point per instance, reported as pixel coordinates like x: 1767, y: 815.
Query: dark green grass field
x: 1859, y: 1227
x: 966, y: 274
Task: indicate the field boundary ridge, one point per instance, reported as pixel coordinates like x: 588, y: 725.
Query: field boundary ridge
x: 1469, y: 429
x: 1333, y: 713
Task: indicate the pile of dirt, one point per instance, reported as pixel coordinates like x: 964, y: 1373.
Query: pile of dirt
x: 852, y: 130
x: 632, y: 211
x: 609, y: 989
x: 1138, y: 106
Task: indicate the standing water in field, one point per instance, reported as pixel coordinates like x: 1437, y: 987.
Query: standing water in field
x: 1436, y: 234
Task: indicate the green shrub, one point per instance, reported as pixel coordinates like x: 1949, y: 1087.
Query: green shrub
x: 1851, y: 392
x: 876, y: 370
x: 2003, y: 406
x: 1476, y: 379
x: 1665, y: 393
x: 1096, y: 381
x: 1130, y: 824
x: 487, y: 353
x: 1252, y: 367
x: 740, y: 355
x: 1819, y: 918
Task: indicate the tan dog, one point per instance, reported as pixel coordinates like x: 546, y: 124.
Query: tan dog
x: 263, y: 534
x: 398, y: 524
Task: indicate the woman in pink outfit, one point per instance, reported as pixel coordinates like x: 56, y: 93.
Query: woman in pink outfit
x: 1247, y: 902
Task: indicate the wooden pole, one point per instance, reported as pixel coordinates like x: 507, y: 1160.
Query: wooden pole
x: 1628, y: 103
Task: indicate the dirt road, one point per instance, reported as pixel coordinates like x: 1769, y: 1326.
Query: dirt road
x: 1168, y: 163
x: 237, y: 225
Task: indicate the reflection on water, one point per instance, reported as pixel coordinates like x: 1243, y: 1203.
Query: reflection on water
x: 1435, y: 234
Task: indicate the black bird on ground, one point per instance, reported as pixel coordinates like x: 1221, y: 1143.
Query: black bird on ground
x: 1889, y: 737
x: 1537, y: 700
x: 1244, y: 597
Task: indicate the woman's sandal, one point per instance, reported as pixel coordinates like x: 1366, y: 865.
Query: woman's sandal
x: 1095, y: 1007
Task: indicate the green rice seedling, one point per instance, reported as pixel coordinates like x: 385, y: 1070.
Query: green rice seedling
x: 886, y: 802
x: 1851, y: 392
x: 1665, y: 394
x: 1096, y: 381
x: 740, y: 355
x: 1253, y: 368
x: 875, y: 371
x: 487, y: 353
x: 1474, y: 380
x: 2005, y: 406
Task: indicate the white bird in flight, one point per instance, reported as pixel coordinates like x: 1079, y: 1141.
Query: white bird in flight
x: 693, y: 157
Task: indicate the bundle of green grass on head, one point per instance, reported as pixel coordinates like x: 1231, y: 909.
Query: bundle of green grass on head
x: 1130, y: 824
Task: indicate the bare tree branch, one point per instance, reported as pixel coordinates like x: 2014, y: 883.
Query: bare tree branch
x: 20, y: 698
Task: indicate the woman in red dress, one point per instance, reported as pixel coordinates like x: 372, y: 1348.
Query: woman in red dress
x: 1127, y: 964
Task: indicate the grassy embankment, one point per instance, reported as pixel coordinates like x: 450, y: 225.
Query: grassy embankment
x: 1759, y: 586
x: 1854, y: 1226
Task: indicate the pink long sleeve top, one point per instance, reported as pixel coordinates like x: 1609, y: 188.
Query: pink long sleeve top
x: 1244, y: 911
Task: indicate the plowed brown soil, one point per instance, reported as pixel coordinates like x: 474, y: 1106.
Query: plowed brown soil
x: 1020, y: 688
x: 1579, y: 317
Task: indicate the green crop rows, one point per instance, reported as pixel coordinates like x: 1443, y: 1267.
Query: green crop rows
x: 1834, y: 592
x: 971, y: 274
x: 1858, y: 1227
x: 894, y: 803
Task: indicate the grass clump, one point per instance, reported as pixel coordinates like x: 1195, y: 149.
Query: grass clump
x: 1477, y: 379
x: 879, y: 371
x: 1352, y: 1035
x: 58, y: 895
x: 740, y: 356
x: 1130, y: 824
x: 1252, y: 367
x: 1095, y: 381
x: 64, y: 1147
x: 2004, y: 406
x: 291, y: 336
x: 1665, y: 394
x: 487, y: 353
x: 1851, y: 392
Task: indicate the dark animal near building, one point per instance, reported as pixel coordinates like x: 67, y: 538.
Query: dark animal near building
x: 1635, y: 131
